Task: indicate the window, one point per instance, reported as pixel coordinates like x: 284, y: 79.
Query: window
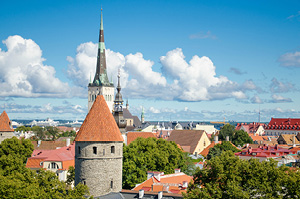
x: 53, y: 165
x: 79, y: 150
x: 111, y: 184
x: 95, y: 150
x: 103, y: 151
x: 204, y: 143
x: 253, y: 153
x: 112, y: 149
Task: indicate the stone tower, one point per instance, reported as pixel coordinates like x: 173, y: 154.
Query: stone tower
x: 143, y: 116
x: 99, y: 151
x: 118, y: 111
x: 101, y: 84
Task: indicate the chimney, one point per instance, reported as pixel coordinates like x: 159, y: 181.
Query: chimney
x: 149, y: 174
x: 177, y: 170
x: 227, y: 138
x: 141, y: 193
x: 68, y: 141
x: 39, y: 143
x: 247, y: 145
x: 294, y: 144
x: 157, y: 176
x: 160, y: 195
x: 216, y: 139
x: 249, y: 150
x: 276, y: 147
x: 185, y: 184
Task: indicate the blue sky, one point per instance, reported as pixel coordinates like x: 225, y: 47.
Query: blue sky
x: 181, y: 60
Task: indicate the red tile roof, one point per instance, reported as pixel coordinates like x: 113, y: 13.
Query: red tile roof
x: 5, y: 123
x: 251, y: 127
x: 99, y: 124
x: 284, y: 124
x: 48, y: 145
x: 174, y: 181
x: 206, y: 150
x: 131, y: 136
x: 66, y: 155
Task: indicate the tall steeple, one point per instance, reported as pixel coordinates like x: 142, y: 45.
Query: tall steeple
x: 101, y: 73
x: 101, y: 85
x: 118, y: 112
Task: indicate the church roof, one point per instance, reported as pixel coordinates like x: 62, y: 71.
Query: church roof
x: 5, y: 123
x: 99, y: 124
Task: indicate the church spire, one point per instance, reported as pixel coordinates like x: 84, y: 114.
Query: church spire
x: 101, y: 73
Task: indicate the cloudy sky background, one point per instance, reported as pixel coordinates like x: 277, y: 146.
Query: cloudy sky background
x: 180, y: 60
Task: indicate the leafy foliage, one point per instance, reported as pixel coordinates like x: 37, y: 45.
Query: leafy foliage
x: 71, y: 175
x: 237, y: 137
x: 227, y: 176
x: 17, y: 181
x: 219, y: 148
x: 152, y: 154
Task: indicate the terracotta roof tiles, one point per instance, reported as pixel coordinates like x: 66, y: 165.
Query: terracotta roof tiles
x: 5, y: 123
x: 131, y: 136
x: 99, y: 124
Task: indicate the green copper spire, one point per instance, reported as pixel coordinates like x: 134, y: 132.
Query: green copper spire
x: 101, y: 77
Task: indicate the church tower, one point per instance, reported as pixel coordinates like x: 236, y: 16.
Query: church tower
x: 101, y: 84
x: 99, y: 151
x: 118, y: 111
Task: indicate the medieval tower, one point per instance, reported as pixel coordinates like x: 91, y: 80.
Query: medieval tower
x: 118, y: 111
x: 99, y: 151
x: 100, y: 84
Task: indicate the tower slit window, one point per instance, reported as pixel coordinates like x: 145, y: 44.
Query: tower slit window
x: 112, y: 149
x: 95, y: 150
x: 79, y: 151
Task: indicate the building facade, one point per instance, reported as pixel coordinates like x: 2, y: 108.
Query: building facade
x: 278, y: 126
x: 101, y: 85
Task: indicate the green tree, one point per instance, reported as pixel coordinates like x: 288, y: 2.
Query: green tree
x: 151, y: 154
x: 23, y: 128
x: 71, y: 175
x: 227, y: 176
x: 237, y: 137
x: 219, y: 148
x: 17, y: 181
x: 52, y: 131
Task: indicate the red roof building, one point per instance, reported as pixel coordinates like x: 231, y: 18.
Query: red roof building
x: 6, y: 130
x: 172, y: 183
x: 57, y: 160
x: 278, y: 126
x: 253, y: 128
x: 264, y: 152
x: 131, y: 136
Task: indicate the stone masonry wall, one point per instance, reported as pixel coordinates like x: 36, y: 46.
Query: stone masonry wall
x: 100, y: 170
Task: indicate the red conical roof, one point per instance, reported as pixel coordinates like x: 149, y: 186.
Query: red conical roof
x: 99, y: 124
x: 5, y: 123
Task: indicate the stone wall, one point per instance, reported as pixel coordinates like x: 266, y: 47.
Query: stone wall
x: 5, y: 135
x: 97, y: 166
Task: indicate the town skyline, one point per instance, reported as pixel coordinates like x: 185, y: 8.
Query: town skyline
x: 195, y: 61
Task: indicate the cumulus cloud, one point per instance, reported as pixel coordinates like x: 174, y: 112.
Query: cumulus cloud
x: 256, y: 100
x: 280, y: 87
x: 280, y: 99
x: 290, y: 59
x: 203, y: 35
x: 22, y: 72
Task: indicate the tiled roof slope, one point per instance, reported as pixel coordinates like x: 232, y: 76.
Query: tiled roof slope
x: 284, y: 124
x: 4, y: 123
x: 186, y: 138
x: 99, y: 124
x: 131, y: 136
x: 48, y: 145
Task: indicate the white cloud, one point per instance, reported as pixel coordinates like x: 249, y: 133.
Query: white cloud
x: 280, y: 99
x: 154, y: 110
x: 256, y: 100
x: 22, y: 72
x: 290, y: 59
x: 203, y: 35
x: 280, y: 87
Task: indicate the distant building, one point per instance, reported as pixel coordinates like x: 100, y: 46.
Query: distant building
x: 253, y: 128
x: 6, y: 130
x: 278, y: 126
x: 55, y: 160
x: 131, y: 136
x: 175, y: 183
x: 264, y: 152
x: 288, y: 139
x: 192, y: 141
x: 101, y: 85
x: 209, y: 129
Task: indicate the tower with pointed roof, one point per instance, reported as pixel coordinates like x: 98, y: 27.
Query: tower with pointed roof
x: 101, y: 85
x: 99, y: 151
x: 118, y: 111
x: 143, y: 116
x: 6, y: 130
